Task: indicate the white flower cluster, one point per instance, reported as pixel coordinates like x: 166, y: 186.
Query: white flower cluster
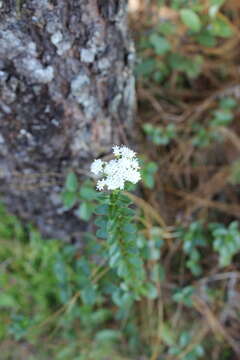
x: 116, y: 172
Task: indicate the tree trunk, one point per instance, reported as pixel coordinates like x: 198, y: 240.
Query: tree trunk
x: 66, y: 95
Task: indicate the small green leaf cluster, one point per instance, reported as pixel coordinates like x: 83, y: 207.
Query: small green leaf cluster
x: 159, y: 48
x: 202, y: 134
x: 160, y: 135
x: 184, y: 295
x: 222, y: 116
x: 226, y: 241
x: 208, y: 27
x: 197, y: 352
x: 223, y: 239
x: 193, y: 239
x: 115, y: 225
x: 84, y: 196
x: 159, y: 70
x: 19, y: 324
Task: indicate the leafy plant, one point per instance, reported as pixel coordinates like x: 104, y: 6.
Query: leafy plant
x: 202, y: 27
x: 184, y: 295
x: 222, y: 116
x: 115, y: 226
x: 194, y: 238
x: 115, y: 217
x: 184, y: 340
x: 226, y: 241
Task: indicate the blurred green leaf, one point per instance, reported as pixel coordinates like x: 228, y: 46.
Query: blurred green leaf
x: 69, y: 199
x: 149, y: 170
x: 85, y: 211
x: 102, y: 209
x: 152, y: 292
x: 88, y: 295
x: 107, y: 335
x: 160, y: 44
x: 87, y: 192
x: 219, y: 27
x: 129, y: 228
x: 222, y: 117
x: 228, y: 103
x: 214, y: 7
x: 7, y: 301
x: 205, y: 38
x: 146, y: 67
x: 71, y: 182
x: 167, y: 334
x: 102, y: 234
x: 166, y: 28
x: 226, y: 241
x: 191, y: 19
x: 184, y: 295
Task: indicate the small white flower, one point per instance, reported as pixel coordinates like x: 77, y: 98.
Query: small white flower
x: 135, y: 164
x: 101, y: 184
x: 116, y: 172
x: 111, y: 167
x: 128, y: 153
x: 115, y: 182
x: 97, y: 166
x: 116, y: 150
x: 133, y: 176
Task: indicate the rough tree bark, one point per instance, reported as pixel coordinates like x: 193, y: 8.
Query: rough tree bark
x: 66, y: 88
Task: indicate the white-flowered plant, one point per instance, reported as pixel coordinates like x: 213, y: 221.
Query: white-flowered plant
x: 115, y: 215
x: 115, y: 173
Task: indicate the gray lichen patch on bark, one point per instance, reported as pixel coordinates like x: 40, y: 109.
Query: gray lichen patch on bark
x: 66, y: 84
